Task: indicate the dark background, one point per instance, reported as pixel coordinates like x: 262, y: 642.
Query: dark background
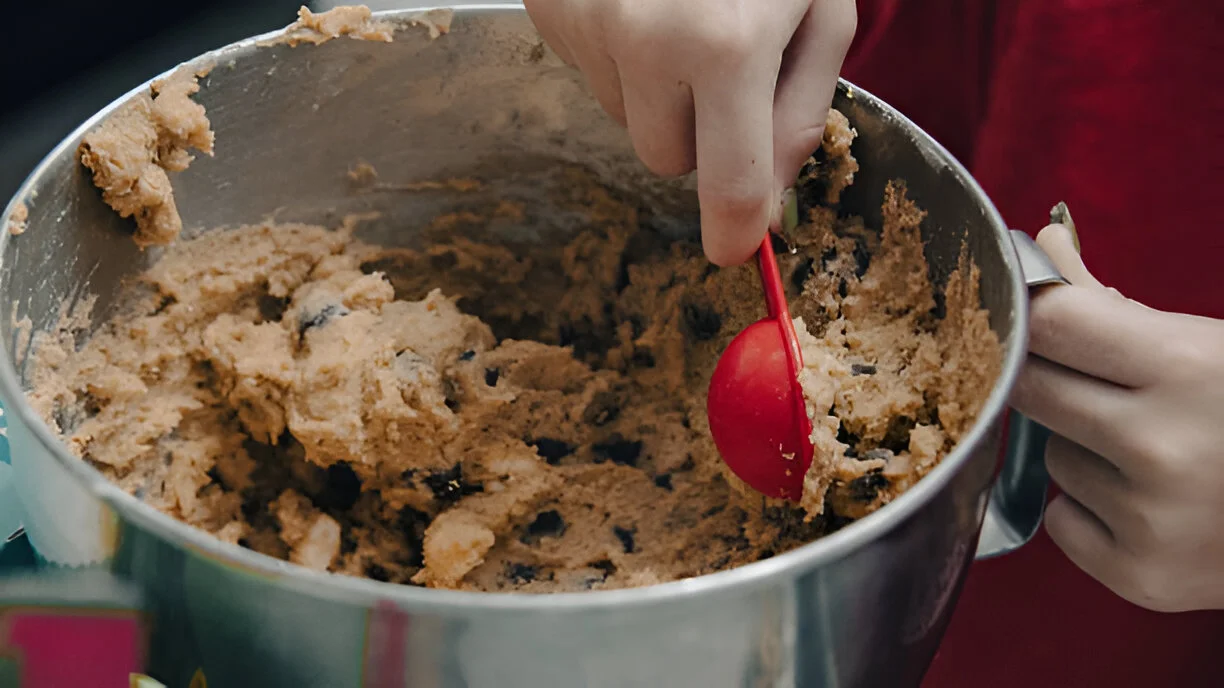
x: 63, y: 60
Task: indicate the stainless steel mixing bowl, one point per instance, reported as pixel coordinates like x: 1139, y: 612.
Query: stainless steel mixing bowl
x: 865, y: 606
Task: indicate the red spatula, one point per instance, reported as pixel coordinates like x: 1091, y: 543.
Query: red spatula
x: 755, y: 404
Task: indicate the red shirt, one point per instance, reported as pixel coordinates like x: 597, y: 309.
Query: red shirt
x: 1117, y: 107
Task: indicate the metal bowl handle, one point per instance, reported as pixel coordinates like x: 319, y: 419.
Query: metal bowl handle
x: 1018, y: 498
x: 10, y: 509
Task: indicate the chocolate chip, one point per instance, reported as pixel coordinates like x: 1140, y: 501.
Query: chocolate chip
x: 643, y: 358
x: 714, y: 510
x: 491, y: 375
x: 843, y: 289
x: 878, y: 453
x: 940, y: 310
x: 896, y: 438
x: 214, y: 475
x: 622, y: 275
x: 412, y: 523
x: 862, y: 257
x: 703, y: 322
x: 467, y: 355
x: 348, y: 544
x: 163, y: 303
x: 866, y: 488
x: 835, y: 521
x: 663, y: 480
x: 603, y: 409
x: 802, y: 272
x: 585, y: 336
x: 779, y: 244
x: 546, y: 524
x: 448, y: 486
x: 378, y: 573
x: 272, y: 308
x: 252, y: 506
x: 636, y: 324
x: 827, y: 258
x: 551, y: 450
x: 737, y: 542
x: 862, y: 369
x: 443, y: 261
x: 618, y: 450
x: 341, y: 490
x: 307, y: 321
x: 625, y: 535
x: 521, y: 573
x: 605, y: 567
x: 846, y: 437
x: 721, y: 562
x: 765, y: 554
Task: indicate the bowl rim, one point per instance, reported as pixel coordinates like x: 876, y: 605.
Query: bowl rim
x: 365, y: 592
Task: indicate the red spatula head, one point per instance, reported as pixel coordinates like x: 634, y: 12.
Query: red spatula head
x: 755, y: 404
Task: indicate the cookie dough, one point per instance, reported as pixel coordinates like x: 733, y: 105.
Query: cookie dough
x: 890, y: 384
x: 492, y: 416
x: 354, y: 21
x: 358, y: 22
x: 18, y: 219
x: 133, y: 150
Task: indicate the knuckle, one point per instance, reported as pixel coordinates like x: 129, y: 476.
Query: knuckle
x: 729, y: 39
x: 1056, y: 461
x: 1190, y: 354
x: 620, y: 20
x: 634, y: 32
x: 1157, y: 456
x: 1140, y: 531
x: 732, y: 201
x: 1151, y: 587
x: 1030, y: 394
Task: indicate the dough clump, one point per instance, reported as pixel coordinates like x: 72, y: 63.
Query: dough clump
x: 132, y: 151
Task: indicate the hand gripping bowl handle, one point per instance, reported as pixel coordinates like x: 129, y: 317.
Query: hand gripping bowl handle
x: 1017, y: 500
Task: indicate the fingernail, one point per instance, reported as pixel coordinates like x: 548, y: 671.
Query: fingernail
x: 1061, y: 215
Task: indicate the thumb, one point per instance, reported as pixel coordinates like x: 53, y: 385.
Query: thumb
x: 1060, y: 242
